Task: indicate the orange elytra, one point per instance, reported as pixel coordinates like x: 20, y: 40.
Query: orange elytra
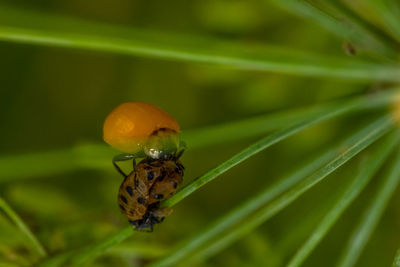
x: 132, y: 126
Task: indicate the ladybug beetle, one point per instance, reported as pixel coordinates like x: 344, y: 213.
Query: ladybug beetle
x: 142, y: 130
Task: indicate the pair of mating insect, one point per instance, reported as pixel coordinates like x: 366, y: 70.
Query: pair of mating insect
x: 145, y: 131
x: 151, y: 181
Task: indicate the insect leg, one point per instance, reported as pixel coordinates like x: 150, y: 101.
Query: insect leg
x: 119, y: 169
x: 136, y: 182
x: 183, y: 148
x: 124, y: 157
x: 134, y: 164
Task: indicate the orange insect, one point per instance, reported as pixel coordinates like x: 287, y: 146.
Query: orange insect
x: 142, y: 130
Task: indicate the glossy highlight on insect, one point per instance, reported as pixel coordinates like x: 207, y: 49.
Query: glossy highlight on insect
x: 143, y: 131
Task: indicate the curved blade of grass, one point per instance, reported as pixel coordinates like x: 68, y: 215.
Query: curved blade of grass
x: 372, y: 215
x: 368, y: 168
x: 97, y: 156
x: 396, y: 261
x: 343, y: 23
x: 389, y: 11
x: 44, y: 29
x: 366, y: 136
x: 33, y: 241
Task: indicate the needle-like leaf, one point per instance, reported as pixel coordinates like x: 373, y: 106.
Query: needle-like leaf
x: 31, y: 238
x: 372, y: 215
x: 336, y: 18
x: 360, y: 141
x: 44, y: 29
x: 368, y: 168
x: 389, y: 11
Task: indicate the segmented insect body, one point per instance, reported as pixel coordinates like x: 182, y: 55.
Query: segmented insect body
x: 142, y: 190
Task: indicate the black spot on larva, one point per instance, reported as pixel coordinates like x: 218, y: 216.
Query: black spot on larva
x: 175, y: 185
x: 150, y: 176
x: 131, y: 212
x: 160, y: 179
x: 140, y: 200
x: 147, y: 168
x: 136, y: 183
x: 177, y: 170
x: 121, y: 207
x: 158, y: 196
x: 162, y: 176
x: 124, y: 199
x: 129, y: 190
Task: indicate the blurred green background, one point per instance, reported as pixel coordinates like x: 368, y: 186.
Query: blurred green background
x: 56, y: 99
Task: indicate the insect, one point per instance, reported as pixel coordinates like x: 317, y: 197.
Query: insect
x: 142, y: 190
x: 144, y: 131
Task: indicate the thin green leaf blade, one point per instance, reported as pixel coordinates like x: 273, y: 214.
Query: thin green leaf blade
x: 368, y: 168
x: 389, y: 11
x: 342, y: 23
x: 319, y: 116
x: 373, y: 214
x: 78, y: 257
x: 245, y: 209
x: 31, y: 238
x: 360, y: 141
x: 47, y: 30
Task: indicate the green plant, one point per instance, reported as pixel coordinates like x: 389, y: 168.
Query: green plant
x: 379, y: 64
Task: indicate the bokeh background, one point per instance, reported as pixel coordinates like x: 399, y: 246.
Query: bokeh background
x: 56, y: 99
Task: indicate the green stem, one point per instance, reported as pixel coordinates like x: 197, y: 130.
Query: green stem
x: 35, y: 244
x: 251, y: 205
x: 389, y: 11
x: 320, y: 115
x: 372, y: 215
x: 359, y: 141
x: 343, y: 23
x: 244, y: 210
x: 93, y: 252
x: 44, y: 29
x: 80, y: 256
x: 367, y: 170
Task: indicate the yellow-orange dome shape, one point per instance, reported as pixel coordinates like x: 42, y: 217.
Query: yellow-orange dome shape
x: 129, y: 125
